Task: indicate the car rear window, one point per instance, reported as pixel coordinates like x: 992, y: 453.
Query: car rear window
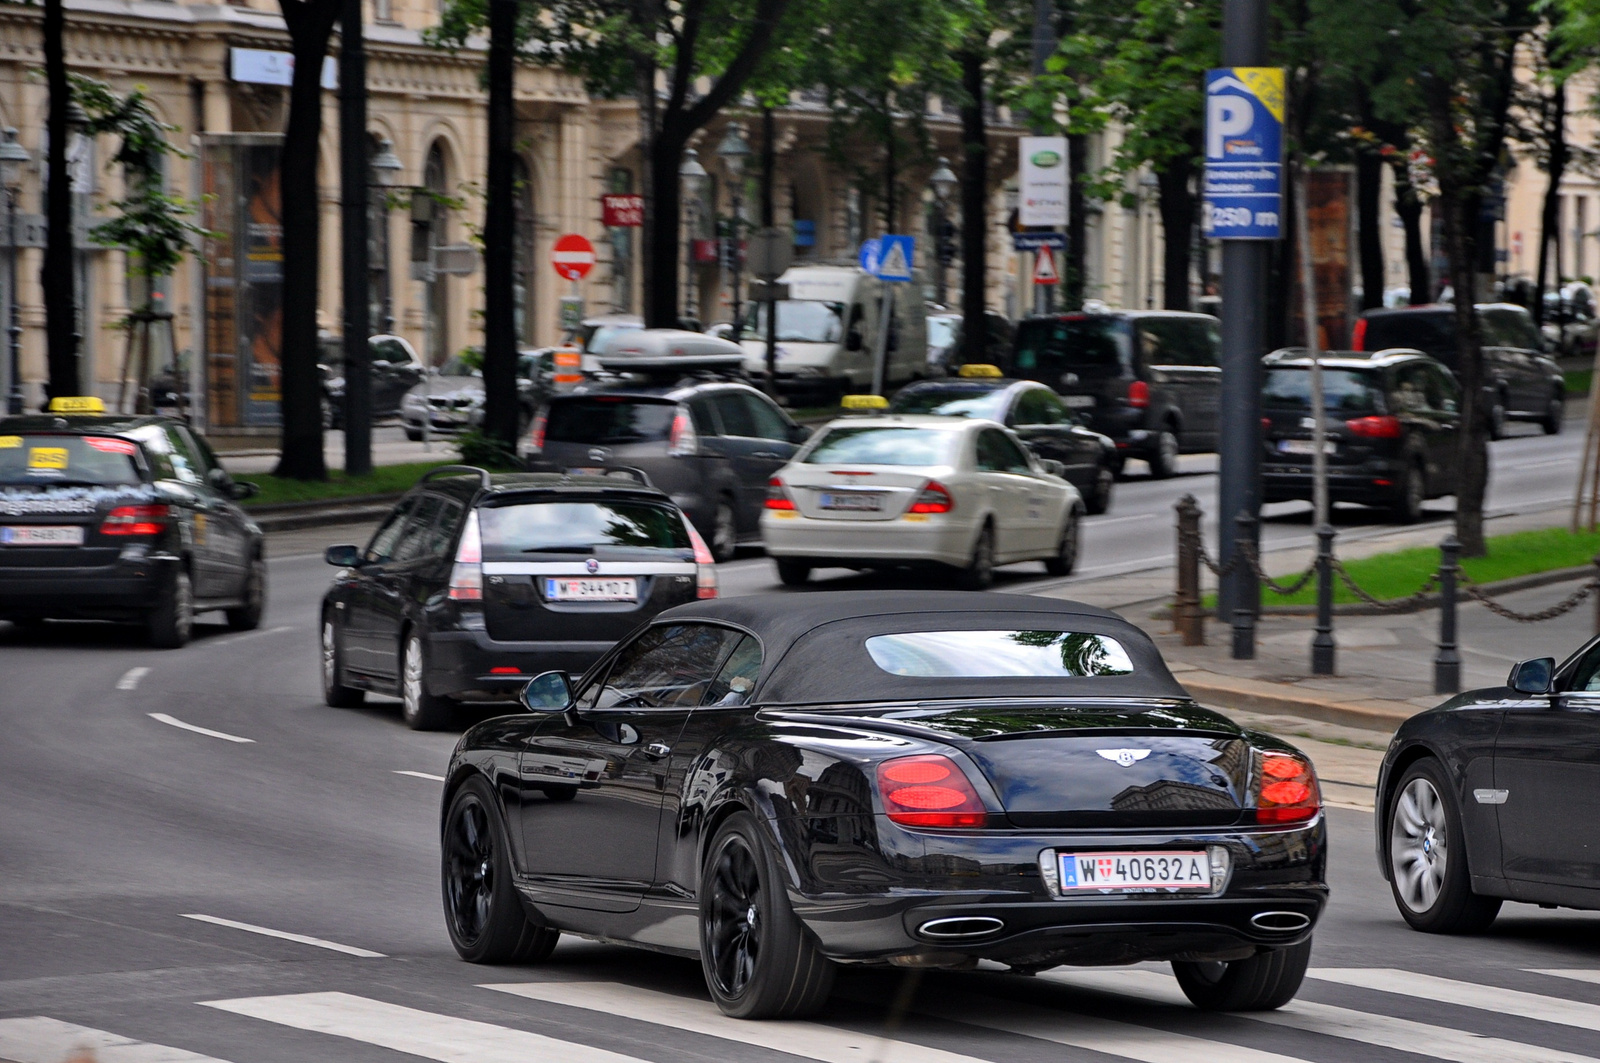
x: 882, y: 446
x: 993, y: 654
x: 608, y: 419
x: 1430, y: 331
x: 1343, y: 390
x: 952, y: 401
x: 1046, y: 348
x: 88, y: 460
x: 611, y: 528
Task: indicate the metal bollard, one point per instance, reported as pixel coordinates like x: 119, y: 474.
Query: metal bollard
x: 1447, y: 662
x: 1249, y: 586
x: 1187, y: 618
x: 1322, y: 645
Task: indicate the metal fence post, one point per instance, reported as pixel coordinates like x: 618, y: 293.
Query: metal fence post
x: 1247, y: 585
x: 1322, y: 645
x: 1447, y: 662
x: 1187, y: 617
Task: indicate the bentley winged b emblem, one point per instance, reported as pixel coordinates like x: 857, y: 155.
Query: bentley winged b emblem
x: 1124, y: 757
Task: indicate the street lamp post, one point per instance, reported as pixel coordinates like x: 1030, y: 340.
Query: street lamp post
x: 386, y: 167
x: 734, y: 151
x: 1148, y: 189
x: 693, y: 177
x: 943, y: 182
x: 13, y: 157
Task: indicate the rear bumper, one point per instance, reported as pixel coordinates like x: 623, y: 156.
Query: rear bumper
x: 897, y: 541
x: 1371, y: 486
x: 125, y: 590
x: 463, y: 662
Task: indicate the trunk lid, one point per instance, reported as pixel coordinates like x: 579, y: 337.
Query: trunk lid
x: 65, y: 481
x: 1348, y: 394
x: 857, y: 492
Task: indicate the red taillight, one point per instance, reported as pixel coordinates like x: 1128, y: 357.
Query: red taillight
x: 935, y: 498
x: 1375, y: 427
x: 1138, y: 394
x: 929, y: 791
x: 1358, y: 335
x: 500, y: 670
x: 466, y: 575
x: 1286, y: 790
x: 705, y: 565
x: 536, y: 433
x: 778, y: 495
x: 683, y: 441
x: 137, y: 520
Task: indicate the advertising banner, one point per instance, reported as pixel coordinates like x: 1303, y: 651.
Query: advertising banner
x: 1244, y: 153
x: 1042, y: 182
x: 1331, y: 219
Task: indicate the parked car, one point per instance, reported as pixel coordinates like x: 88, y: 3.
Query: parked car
x: 451, y: 400
x: 474, y: 582
x: 1393, y: 422
x: 945, y: 355
x: 1521, y: 382
x: 394, y: 369
x: 1149, y: 379
x: 1570, y: 323
x: 1039, y: 417
x: 897, y: 491
x: 779, y: 783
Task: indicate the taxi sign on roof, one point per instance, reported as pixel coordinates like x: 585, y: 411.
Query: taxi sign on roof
x: 979, y: 370
x: 864, y: 402
x: 77, y: 404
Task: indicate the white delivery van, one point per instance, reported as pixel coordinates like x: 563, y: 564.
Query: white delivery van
x: 828, y: 331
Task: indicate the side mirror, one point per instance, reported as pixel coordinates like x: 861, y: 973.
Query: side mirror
x: 799, y: 433
x: 342, y: 556
x: 852, y: 341
x: 243, y: 490
x: 1532, y: 677
x: 548, y: 692
x: 1052, y: 466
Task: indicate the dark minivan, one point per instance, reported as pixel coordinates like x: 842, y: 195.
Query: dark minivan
x: 1393, y: 422
x: 1150, y: 380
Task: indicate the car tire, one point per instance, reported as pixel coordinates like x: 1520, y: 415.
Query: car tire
x: 414, y: 434
x: 1066, y: 556
x: 1265, y: 981
x: 759, y: 962
x: 1497, y: 418
x: 1413, y: 489
x: 1427, y: 856
x: 1098, y: 499
x: 421, y: 710
x: 482, y: 912
x: 1554, y: 414
x: 979, y: 573
x: 334, y: 693
x: 1163, y: 460
x: 171, y: 622
x: 724, y: 532
x: 247, y: 617
x: 791, y: 572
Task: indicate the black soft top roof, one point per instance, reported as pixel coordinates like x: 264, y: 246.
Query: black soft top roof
x: 813, y: 645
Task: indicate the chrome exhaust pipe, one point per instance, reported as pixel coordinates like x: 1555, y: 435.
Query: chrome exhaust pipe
x: 1280, y: 922
x: 960, y: 926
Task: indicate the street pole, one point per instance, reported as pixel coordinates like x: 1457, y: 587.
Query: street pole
x: 500, y: 414
x: 1319, y: 411
x: 13, y: 321
x: 353, y: 177
x: 1244, y: 273
x: 738, y: 271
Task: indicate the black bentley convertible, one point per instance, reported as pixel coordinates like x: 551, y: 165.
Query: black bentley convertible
x: 782, y: 783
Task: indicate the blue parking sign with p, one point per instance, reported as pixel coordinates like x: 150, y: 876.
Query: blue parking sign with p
x: 1243, y: 189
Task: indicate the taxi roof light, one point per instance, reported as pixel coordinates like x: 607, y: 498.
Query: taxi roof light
x: 977, y: 369
x: 77, y: 404
x: 864, y: 402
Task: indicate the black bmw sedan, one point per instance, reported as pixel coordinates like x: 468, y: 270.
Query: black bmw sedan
x: 1495, y: 796
x: 779, y: 785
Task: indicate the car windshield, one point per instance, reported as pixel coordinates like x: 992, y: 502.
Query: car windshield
x: 942, y: 330
x: 952, y: 400
x: 846, y: 445
x: 601, y: 529
x: 1046, y: 348
x: 48, y: 460
x: 982, y: 654
x: 1343, y: 390
x: 800, y: 321
x: 609, y: 419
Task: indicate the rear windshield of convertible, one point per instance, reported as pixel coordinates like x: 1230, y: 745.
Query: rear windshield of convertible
x: 995, y: 654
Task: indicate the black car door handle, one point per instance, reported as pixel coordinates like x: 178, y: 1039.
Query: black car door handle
x: 657, y: 750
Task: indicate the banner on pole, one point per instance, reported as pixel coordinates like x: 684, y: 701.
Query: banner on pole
x: 1042, y: 181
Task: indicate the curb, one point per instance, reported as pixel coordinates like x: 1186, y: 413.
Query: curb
x: 1224, y: 693
x: 291, y: 516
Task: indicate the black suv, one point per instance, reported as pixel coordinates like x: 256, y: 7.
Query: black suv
x: 711, y: 445
x: 476, y: 582
x: 122, y: 517
x: 1522, y: 382
x: 1393, y: 420
x: 1151, y: 380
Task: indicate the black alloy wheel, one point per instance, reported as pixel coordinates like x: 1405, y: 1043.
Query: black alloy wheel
x: 1411, y: 491
x: 1164, y: 461
x: 247, y: 617
x: 791, y: 572
x: 1098, y: 499
x: 1427, y: 856
x: 979, y: 573
x: 1265, y: 981
x: 334, y: 693
x: 486, y: 920
x: 724, y: 532
x: 171, y: 622
x: 758, y: 960
x: 1066, y: 556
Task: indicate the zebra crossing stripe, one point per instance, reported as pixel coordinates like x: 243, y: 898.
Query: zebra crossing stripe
x: 1467, y: 994
x: 1576, y: 975
x: 417, y: 1033
x: 811, y: 1040
x: 39, y: 1039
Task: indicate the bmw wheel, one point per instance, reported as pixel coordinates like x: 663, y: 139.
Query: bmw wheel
x: 1263, y: 982
x: 247, y: 617
x: 1554, y: 413
x: 1098, y: 500
x: 1428, y: 871
x: 422, y: 711
x: 171, y: 622
x: 334, y: 693
x: 482, y: 912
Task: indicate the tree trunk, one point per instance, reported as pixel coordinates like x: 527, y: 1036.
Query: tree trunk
x: 974, y: 211
x: 60, y: 291
x: 1550, y: 215
x: 663, y: 244
x: 1177, y: 204
x: 1369, y: 194
x: 652, y: 276
x: 355, y: 268
x: 1408, y: 207
x: 310, y: 24
x: 499, y: 231
x: 1076, y: 272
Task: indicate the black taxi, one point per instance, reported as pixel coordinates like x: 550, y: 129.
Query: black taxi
x: 126, y: 517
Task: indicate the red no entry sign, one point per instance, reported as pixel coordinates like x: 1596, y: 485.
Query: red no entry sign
x: 572, y: 256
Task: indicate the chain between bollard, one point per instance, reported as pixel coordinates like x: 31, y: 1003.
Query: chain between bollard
x: 1561, y: 608
x: 1386, y: 605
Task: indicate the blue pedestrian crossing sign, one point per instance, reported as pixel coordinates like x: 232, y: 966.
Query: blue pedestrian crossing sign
x: 870, y: 250
x: 1244, y: 153
x: 895, y: 257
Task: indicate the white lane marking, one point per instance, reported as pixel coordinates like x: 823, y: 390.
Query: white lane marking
x: 808, y: 1039
x: 1383, y: 1031
x: 420, y: 775
x: 418, y: 1033
x: 173, y: 721
x: 249, y: 635
x: 130, y: 678
x: 1467, y: 994
x: 1577, y: 975
x: 39, y: 1039
x: 321, y: 943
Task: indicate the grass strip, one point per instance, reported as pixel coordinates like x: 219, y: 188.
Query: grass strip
x: 1578, y: 381
x: 383, y: 480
